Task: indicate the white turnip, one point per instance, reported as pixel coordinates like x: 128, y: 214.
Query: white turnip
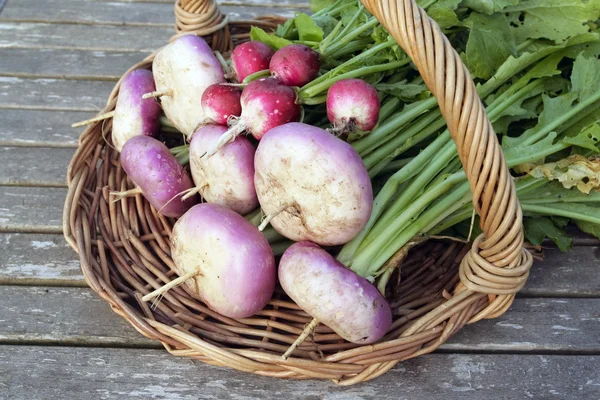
x: 312, y: 185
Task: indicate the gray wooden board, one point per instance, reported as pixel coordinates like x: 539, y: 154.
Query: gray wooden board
x: 42, y: 259
x: 54, y: 94
x: 61, y: 315
x: 37, y: 166
x: 40, y: 128
x: 40, y: 372
x: 31, y: 209
x: 72, y: 64
x: 122, y: 13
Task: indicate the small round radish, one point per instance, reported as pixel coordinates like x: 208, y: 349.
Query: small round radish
x: 135, y: 116
x: 295, y: 65
x: 334, y: 294
x: 266, y: 103
x: 352, y: 103
x: 182, y: 71
x: 221, y: 102
x: 249, y: 58
x: 312, y: 185
x: 158, y: 175
x: 228, y: 177
x: 228, y: 261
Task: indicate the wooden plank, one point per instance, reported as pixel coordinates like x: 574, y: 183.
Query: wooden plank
x: 37, y: 315
x: 574, y: 273
x: 31, y: 209
x: 532, y: 325
x: 75, y: 36
x: 72, y: 64
x: 40, y: 128
x: 34, y: 166
x: 38, y: 259
x: 53, y: 94
x: 49, y: 372
x: 123, y: 13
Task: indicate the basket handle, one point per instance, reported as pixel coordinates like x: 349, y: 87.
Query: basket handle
x: 498, y: 264
x: 200, y: 17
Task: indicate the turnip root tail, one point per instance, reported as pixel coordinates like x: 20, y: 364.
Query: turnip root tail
x: 225, y: 139
x: 171, y: 285
x: 158, y: 93
x: 97, y: 118
x: 126, y: 193
x: 270, y: 217
x: 186, y: 194
x: 305, y: 333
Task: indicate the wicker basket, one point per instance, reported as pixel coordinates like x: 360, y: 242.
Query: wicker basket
x: 124, y: 246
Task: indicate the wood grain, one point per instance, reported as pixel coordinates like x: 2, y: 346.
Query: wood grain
x: 31, y: 209
x: 37, y: 166
x: 86, y: 373
x: 38, y: 259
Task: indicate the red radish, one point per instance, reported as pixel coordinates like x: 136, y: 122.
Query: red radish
x: 266, y: 103
x: 334, y: 294
x: 295, y: 65
x: 227, y: 178
x: 157, y: 175
x: 182, y: 71
x: 312, y: 185
x: 249, y: 58
x: 224, y: 260
x: 352, y: 103
x: 135, y: 116
x: 221, y: 102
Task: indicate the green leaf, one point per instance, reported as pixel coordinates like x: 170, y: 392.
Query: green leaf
x: 589, y: 138
x: 270, y: 40
x: 490, y: 44
x: 326, y: 23
x: 308, y: 30
x: 444, y: 16
x: 588, y: 227
x: 317, y: 5
x: 520, y: 151
x: 554, y: 192
x: 538, y: 228
x: 556, y: 20
x: 488, y: 6
x: 585, y: 77
x: 402, y: 89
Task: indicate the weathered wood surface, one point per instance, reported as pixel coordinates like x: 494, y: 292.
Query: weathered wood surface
x: 37, y: 166
x: 37, y: 315
x: 86, y: 373
x: 40, y: 128
x: 53, y: 94
x: 31, y: 209
x: 122, y: 13
x: 38, y: 259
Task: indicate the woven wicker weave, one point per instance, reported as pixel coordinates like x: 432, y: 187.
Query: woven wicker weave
x: 125, y: 254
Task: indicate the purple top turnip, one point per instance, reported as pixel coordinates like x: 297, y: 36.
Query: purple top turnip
x: 155, y: 171
x: 229, y: 262
x: 312, y: 185
x: 352, y: 103
x: 182, y: 71
x: 135, y: 116
x: 249, y: 58
x: 221, y: 102
x: 295, y: 65
x: 227, y: 178
x: 334, y: 294
x: 266, y: 103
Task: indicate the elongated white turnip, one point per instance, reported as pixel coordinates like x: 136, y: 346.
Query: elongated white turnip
x: 249, y: 58
x: 157, y: 175
x: 220, y: 103
x: 182, y: 71
x: 352, y: 104
x: 334, y: 294
x: 295, y: 65
x: 227, y: 178
x: 266, y: 103
x: 312, y: 185
x: 224, y: 260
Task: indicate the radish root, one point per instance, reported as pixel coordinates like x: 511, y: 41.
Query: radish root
x: 171, y: 285
x: 97, y: 118
x: 126, y: 193
x: 305, y: 333
x: 158, y: 93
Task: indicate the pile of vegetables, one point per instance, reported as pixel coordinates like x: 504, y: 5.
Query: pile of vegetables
x: 323, y: 133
